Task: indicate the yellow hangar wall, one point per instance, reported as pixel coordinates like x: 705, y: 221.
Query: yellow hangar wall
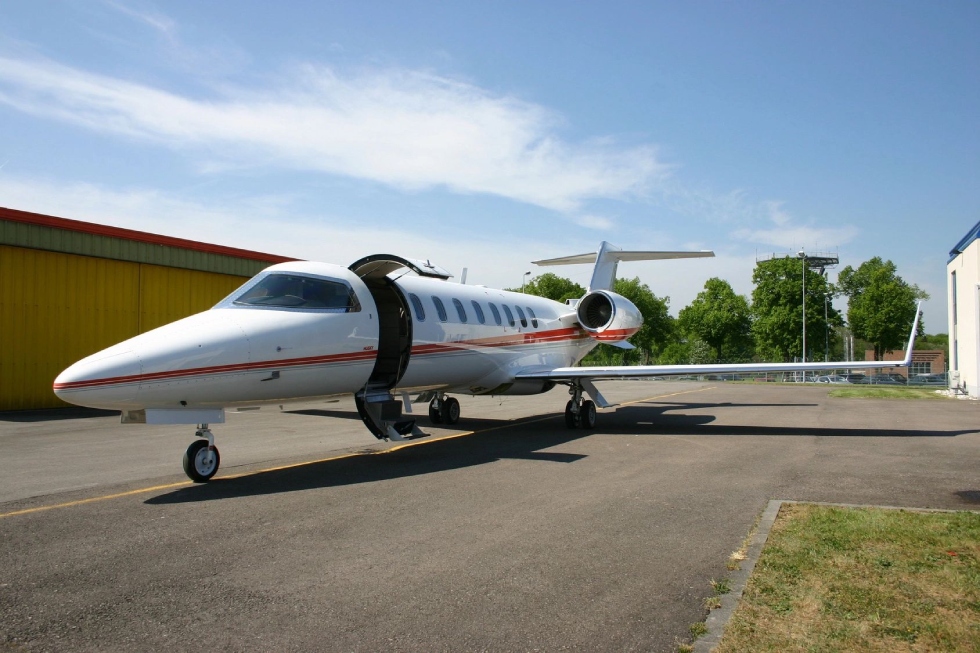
x: 56, y: 308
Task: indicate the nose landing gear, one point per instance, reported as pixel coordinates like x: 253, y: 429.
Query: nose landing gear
x: 201, y: 459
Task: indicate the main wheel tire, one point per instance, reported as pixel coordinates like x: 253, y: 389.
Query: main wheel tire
x: 195, y: 465
x: 572, y: 418
x: 450, y: 410
x: 587, y: 414
x: 435, y: 416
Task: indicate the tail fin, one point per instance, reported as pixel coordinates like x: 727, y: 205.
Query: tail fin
x: 607, y: 260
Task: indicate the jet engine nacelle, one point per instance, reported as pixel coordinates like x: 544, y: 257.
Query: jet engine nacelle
x: 608, y: 317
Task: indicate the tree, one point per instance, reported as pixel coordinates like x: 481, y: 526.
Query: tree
x: 552, y: 286
x: 882, y: 305
x: 777, y: 310
x: 720, y: 318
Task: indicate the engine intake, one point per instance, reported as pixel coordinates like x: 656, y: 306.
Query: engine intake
x: 607, y: 316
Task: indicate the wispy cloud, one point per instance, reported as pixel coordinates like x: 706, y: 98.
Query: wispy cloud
x: 403, y: 128
x: 596, y: 222
x: 788, y: 235
x: 154, y: 19
x: 793, y: 237
x: 271, y: 224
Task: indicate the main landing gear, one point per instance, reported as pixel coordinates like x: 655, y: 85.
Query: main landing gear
x: 201, y: 459
x: 578, y: 413
x: 444, y: 410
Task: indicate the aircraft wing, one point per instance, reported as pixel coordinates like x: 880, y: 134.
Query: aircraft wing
x: 585, y: 375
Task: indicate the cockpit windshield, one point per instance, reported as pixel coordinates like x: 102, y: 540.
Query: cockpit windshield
x: 293, y: 291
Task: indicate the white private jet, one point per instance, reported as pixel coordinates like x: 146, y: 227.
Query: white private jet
x: 301, y: 331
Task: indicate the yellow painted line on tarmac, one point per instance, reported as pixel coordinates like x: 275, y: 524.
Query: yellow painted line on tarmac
x: 80, y: 502
x: 672, y: 394
x: 119, y: 495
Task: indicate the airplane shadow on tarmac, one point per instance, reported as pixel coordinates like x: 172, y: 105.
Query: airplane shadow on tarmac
x: 436, y: 456
x: 55, y: 414
x: 657, y: 419
x: 496, y: 440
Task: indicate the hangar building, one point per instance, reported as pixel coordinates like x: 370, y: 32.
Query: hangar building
x: 963, y: 279
x: 70, y: 288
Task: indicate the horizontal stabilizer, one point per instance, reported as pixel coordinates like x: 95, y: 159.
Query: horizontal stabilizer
x: 625, y: 256
x: 608, y: 257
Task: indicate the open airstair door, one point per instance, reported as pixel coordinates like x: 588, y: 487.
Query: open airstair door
x: 375, y: 403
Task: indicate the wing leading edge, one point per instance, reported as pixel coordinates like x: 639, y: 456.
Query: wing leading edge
x: 624, y: 371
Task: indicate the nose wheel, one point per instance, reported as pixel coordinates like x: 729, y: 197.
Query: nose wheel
x: 201, y: 459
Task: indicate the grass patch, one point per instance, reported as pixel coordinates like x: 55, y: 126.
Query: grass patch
x: 855, y: 579
x: 886, y: 392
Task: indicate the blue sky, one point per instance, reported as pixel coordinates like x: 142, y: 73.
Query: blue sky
x: 487, y: 135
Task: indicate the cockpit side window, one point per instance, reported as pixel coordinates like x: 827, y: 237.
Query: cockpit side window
x: 510, y: 316
x: 295, y: 291
x: 496, y: 313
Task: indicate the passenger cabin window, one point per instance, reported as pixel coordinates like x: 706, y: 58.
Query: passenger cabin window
x: 417, y: 305
x: 534, y: 318
x: 293, y: 291
x: 460, y: 310
x: 520, y: 314
x: 481, y: 318
x: 440, y: 309
x: 510, y: 316
x: 496, y: 313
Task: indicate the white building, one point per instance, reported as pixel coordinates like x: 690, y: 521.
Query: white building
x: 963, y: 275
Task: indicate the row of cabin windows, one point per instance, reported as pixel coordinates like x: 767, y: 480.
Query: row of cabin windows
x: 480, y: 315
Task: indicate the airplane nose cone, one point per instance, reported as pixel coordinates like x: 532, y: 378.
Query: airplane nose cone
x: 109, y: 379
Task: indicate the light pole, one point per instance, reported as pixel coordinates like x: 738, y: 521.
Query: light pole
x: 826, y: 323
x: 523, y: 279
x: 802, y: 256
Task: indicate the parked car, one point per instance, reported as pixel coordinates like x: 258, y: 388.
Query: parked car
x: 880, y: 379
x: 929, y: 379
x: 832, y: 378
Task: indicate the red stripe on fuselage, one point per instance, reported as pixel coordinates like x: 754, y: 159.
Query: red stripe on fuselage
x: 520, y: 339
x: 219, y: 369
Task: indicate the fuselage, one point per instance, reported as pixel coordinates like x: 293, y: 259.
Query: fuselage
x: 305, y: 330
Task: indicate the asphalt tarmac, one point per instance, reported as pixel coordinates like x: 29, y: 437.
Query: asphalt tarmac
x: 514, y: 534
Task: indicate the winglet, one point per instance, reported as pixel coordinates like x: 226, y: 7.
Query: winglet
x: 915, y: 326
